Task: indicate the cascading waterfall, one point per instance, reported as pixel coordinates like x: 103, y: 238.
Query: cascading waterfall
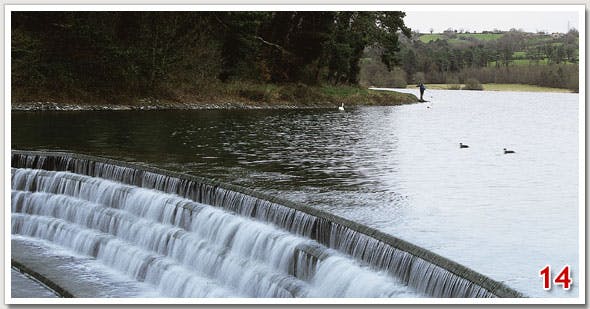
x: 145, y: 234
x: 192, y: 237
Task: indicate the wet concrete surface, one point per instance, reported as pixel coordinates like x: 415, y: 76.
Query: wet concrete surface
x: 24, y: 286
x: 79, y: 275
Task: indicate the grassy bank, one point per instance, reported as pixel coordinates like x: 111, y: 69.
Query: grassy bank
x: 498, y: 87
x: 233, y: 94
x: 300, y: 94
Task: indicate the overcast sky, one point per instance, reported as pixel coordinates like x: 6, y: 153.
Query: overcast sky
x: 479, y: 21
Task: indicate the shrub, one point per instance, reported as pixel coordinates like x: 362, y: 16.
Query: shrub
x: 453, y: 83
x: 398, y: 78
x: 472, y: 84
x: 252, y: 94
x: 376, y: 74
x: 419, y: 77
x: 299, y: 93
x: 302, y: 92
x: 251, y: 91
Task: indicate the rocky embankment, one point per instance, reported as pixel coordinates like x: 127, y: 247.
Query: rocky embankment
x: 310, y: 98
x: 54, y: 106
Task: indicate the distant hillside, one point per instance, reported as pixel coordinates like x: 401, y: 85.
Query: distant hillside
x: 452, y: 57
x: 535, y: 48
x: 460, y: 37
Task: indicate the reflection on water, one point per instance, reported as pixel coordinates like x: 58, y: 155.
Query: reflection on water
x: 398, y: 169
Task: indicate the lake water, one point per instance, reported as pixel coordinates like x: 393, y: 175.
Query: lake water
x: 398, y: 169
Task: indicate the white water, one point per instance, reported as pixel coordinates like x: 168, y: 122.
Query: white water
x: 73, y: 271
x: 180, y: 247
x: 338, y: 276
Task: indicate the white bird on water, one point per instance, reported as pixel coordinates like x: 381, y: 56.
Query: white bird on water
x: 341, y: 107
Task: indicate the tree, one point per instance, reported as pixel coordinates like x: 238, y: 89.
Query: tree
x: 104, y: 54
x: 353, y: 32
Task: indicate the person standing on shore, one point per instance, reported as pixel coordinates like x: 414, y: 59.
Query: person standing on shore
x: 422, y: 88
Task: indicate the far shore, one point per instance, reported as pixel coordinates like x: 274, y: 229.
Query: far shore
x: 498, y: 87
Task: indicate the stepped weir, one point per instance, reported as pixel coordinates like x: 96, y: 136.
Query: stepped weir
x: 187, y: 236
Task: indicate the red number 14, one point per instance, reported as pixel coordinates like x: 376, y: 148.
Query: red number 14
x: 562, y: 279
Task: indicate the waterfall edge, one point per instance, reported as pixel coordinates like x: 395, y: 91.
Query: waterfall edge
x: 325, y: 224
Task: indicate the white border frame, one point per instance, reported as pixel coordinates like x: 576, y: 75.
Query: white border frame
x: 579, y: 280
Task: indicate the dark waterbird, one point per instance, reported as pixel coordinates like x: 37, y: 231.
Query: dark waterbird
x: 461, y: 145
x: 508, y: 151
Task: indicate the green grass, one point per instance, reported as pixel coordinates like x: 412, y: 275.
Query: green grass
x: 519, y: 54
x: 431, y: 37
x: 245, y: 93
x: 481, y: 36
x: 528, y: 61
x: 540, y: 39
x: 518, y: 62
x: 435, y: 87
x: 521, y: 87
x: 341, y: 91
x: 351, y: 95
x: 521, y: 62
x: 457, y: 42
x: 478, y: 36
x: 304, y: 95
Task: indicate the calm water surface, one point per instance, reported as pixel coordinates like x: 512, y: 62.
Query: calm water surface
x: 398, y: 169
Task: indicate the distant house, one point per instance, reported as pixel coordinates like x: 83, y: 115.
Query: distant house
x: 557, y: 35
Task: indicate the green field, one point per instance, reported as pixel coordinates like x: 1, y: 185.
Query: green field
x: 499, y: 87
x: 540, y: 39
x: 461, y: 37
x: 481, y: 36
x: 529, y: 62
x: 431, y: 37
x: 522, y: 62
x: 457, y: 42
x: 521, y: 87
x: 519, y: 55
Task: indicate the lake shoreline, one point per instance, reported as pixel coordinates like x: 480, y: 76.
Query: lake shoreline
x: 498, y: 87
x: 56, y: 106
x: 227, y: 96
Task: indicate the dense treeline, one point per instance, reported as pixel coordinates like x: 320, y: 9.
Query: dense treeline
x: 509, y: 57
x: 138, y: 54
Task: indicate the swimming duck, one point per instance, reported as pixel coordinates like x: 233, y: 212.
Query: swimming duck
x: 508, y: 151
x: 461, y: 145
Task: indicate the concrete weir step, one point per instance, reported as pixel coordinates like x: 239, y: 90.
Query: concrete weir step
x: 68, y: 274
x: 28, y: 286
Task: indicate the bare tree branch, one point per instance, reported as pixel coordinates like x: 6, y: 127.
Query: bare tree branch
x: 279, y: 47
